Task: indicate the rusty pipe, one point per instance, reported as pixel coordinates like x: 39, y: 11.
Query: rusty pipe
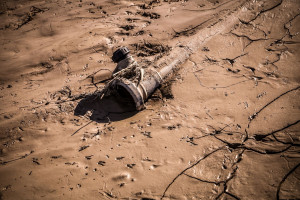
x: 141, y: 92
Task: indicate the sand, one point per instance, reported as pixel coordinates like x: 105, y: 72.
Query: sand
x: 225, y: 125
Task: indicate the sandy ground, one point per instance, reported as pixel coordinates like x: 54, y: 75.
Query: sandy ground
x: 224, y: 126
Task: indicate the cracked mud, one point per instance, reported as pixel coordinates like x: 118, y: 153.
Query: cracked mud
x: 224, y: 126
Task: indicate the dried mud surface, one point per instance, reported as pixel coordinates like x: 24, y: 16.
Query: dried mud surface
x: 224, y: 126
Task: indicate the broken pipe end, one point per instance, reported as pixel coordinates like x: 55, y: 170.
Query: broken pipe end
x: 136, y: 94
x: 140, y: 92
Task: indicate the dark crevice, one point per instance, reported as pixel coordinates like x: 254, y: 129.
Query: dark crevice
x: 204, y: 181
x: 232, y: 195
x: 215, y: 87
x: 190, y: 31
x: 182, y: 172
x: 267, y: 151
x: 287, y: 28
x: 262, y: 136
x: 230, y: 176
x: 22, y: 157
x: 284, y: 179
x: 248, y: 38
x: 254, y: 115
x: 261, y: 12
x: 232, y: 60
x: 282, y: 142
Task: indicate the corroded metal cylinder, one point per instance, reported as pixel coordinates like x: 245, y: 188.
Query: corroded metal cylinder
x: 123, y: 58
x: 142, y: 90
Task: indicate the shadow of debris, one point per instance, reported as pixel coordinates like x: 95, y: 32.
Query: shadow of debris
x: 107, y: 109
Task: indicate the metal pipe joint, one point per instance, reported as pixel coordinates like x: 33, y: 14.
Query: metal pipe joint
x: 140, y: 90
